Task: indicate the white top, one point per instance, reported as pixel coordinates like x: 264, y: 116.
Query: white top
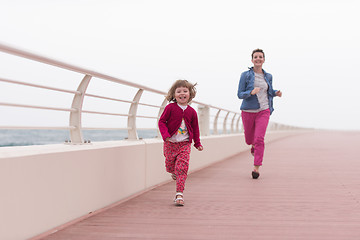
x: 182, y: 134
x: 262, y: 95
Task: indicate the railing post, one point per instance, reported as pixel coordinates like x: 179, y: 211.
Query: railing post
x: 274, y: 126
x: 232, y: 123
x: 75, y: 117
x: 162, y: 107
x: 216, y: 121
x: 224, y: 123
x: 132, y: 132
x: 204, y: 120
x: 237, y: 124
x: 270, y: 126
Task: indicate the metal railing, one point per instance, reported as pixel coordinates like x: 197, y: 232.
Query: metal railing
x: 228, y: 120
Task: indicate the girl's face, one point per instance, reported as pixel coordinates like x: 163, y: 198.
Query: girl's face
x: 258, y: 59
x: 182, y: 95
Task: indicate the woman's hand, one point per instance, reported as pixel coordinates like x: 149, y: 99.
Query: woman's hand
x: 200, y: 148
x: 255, y: 91
x: 278, y: 93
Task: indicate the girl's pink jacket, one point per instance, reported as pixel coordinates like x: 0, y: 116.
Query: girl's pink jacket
x: 171, y: 118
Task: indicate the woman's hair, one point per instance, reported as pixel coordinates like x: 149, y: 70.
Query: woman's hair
x: 181, y: 83
x: 257, y: 50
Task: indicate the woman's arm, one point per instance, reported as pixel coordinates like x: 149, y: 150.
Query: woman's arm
x: 242, y: 92
x: 274, y: 93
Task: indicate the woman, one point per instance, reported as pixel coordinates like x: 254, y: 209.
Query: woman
x: 255, y: 88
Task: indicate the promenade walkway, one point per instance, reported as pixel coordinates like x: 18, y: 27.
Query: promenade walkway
x: 309, y: 188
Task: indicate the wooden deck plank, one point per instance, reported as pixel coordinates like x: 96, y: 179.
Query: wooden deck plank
x: 309, y: 188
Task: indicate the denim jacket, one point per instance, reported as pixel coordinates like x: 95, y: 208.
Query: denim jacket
x: 246, y: 85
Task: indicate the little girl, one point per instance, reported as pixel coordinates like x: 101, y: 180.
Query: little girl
x: 178, y: 126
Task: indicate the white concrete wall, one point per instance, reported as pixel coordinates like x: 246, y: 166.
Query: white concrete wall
x: 43, y: 187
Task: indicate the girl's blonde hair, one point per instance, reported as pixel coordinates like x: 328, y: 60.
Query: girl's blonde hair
x: 181, y: 83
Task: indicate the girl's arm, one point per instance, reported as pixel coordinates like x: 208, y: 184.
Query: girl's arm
x: 163, y: 123
x: 196, y: 132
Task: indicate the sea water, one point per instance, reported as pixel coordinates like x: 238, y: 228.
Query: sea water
x: 12, y: 137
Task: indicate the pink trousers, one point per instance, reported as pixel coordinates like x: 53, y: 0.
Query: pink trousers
x: 177, y: 156
x: 255, y: 125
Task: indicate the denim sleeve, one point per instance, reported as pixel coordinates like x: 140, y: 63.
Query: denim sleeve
x: 242, y: 92
x: 272, y: 92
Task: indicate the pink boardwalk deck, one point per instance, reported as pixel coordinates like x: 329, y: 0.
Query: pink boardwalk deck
x: 309, y: 188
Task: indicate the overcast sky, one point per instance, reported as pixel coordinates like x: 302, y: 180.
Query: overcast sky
x: 311, y: 47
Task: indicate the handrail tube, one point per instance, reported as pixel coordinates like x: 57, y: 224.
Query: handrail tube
x: 107, y: 113
x: 56, y: 63
x: 149, y: 105
x: 104, y: 128
x: 141, y: 116
x: 79, y: 95
x: 38, y: 86
x: 39, y: 107
x: 87, y: 72
x: 107, y: 98
x: 219, y: 108
x: 219, y: 117
x: 37, y: 127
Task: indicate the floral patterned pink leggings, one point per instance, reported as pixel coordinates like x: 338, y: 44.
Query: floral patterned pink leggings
x: 177, y: 156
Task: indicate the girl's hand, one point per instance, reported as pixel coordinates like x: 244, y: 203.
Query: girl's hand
x: 255, y: 91
x: 278, y: 93
x: 167, y: 139
x: 200, y: 148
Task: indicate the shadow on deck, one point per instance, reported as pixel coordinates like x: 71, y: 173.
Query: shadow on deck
x: 309, y: 188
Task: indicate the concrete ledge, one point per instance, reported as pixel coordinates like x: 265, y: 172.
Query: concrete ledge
x: 46, y: 186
